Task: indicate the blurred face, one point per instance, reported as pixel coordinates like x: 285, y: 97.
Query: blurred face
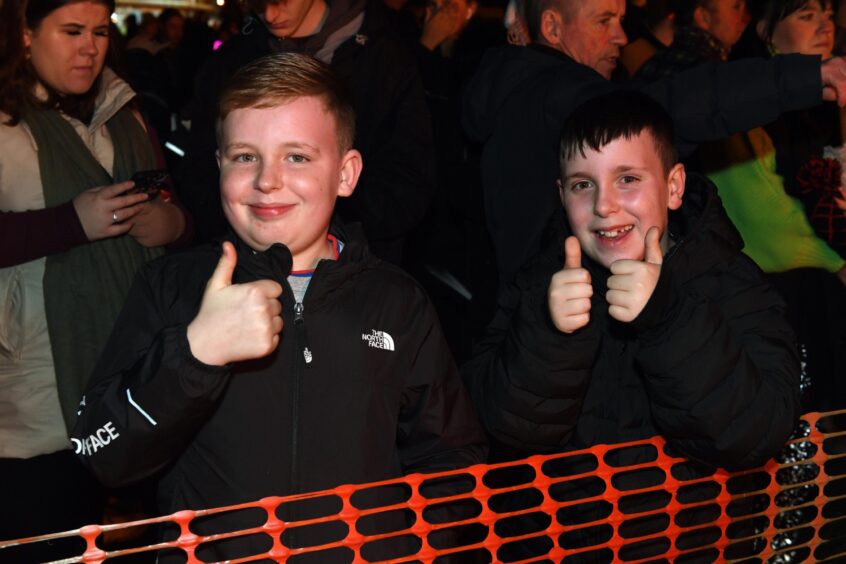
x: 69, y: 47
x: 174, y: 30
x: 293, y: 18
x: 614, y: 196
x: 592, y: 34
x: 280, y: 173
x: 725, y: 20
x: 809, y: 31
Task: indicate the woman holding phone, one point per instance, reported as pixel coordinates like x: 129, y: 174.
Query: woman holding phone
x: 72, y: 235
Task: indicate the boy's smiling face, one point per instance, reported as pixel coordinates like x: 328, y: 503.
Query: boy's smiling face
x: 613, y: 196
x: 281, y: 170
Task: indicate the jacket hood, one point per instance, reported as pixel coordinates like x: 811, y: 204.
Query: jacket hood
x: 703, y: 232
x: 501, y: 71
x: 276, y: 262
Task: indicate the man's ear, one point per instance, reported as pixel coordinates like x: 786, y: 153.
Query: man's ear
x: 560, y: 186
x: 551, y: 27
x: 351, y: 165
x: 702, y: 18
x: 675, y: 186
x: 217, y: 158
x: 27, y: 38
x: 760, y: 27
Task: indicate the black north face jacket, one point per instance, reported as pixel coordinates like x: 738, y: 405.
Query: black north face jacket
x: 361, y: 388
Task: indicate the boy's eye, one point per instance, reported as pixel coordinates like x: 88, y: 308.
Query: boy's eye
x: 628, y: 179
x: 581, y: 185
x: 297, y: 158
x: 244, y: 158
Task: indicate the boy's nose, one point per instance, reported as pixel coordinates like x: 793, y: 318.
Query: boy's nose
x: 605, y: 203
x: 269, y: 178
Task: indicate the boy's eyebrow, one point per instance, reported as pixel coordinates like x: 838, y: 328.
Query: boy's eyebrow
x: 616, y: 170
x: 301, y: 145
x: 236, y: 145
x: 289, y: 145
x: 626, y: 167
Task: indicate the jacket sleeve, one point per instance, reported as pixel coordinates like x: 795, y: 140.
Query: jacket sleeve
x: 148, y: 395
x: 720, y: 366
x: 438, y: 428
x: 526, y: 378
x: 28, y: 235
x: 713, y: 100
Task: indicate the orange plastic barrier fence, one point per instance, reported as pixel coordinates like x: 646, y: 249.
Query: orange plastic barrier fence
x: 629, y: 502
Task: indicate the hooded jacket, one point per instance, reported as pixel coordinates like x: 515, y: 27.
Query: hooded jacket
x: 362, y: 387
x: 710, y: 363
x: 393, y: 128
x: 518, y: 100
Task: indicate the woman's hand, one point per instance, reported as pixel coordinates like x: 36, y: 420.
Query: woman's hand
x: 157, y: 223
x: 105, y: 211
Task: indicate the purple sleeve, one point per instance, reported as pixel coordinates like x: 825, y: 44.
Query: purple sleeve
x: 26, y: 236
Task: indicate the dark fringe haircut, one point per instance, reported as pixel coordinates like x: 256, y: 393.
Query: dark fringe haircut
x: 621, y: 113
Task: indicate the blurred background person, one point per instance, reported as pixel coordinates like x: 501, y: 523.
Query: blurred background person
x: 71, y: 240
x: 651, y: 32
x: 779, y: 184
x: 706, y: 30
x: 146, y: 37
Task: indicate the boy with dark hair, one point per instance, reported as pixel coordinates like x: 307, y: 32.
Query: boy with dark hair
x: 656, y: 324
x: 240, y: 378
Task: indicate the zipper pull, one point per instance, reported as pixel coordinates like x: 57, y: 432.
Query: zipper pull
x: 298, y: 322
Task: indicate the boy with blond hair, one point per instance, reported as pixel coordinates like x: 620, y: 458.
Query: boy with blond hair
x: 294, y: 362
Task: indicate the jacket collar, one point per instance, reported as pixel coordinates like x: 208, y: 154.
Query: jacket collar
x: 276, y: 262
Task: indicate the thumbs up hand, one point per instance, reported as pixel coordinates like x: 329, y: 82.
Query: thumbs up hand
x: 236, y: 321
x: 570, y: 291
x: 632, y: 281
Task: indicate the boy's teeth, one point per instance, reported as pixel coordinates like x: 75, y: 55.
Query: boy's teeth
x: 616, y: 233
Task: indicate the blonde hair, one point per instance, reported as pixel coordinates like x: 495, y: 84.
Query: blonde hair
x: 277, y: 79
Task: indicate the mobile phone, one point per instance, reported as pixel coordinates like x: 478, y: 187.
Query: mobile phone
x: 149, y: 181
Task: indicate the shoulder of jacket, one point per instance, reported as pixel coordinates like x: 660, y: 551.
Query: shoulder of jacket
x: 182, y: 266
x: 391, y: 281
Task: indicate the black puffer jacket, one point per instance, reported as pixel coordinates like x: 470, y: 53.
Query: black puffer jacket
x: 393, y: 126
x: 362, y: 387
x: 710, y: 363
x: 520, y: 97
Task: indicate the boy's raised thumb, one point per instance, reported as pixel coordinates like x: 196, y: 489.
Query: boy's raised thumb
x: 653, y: 252
x: 572, y: 253
x: 222, y: 275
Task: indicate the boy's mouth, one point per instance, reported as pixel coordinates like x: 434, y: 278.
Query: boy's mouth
x: 268, y: 211
x: 614, y: 233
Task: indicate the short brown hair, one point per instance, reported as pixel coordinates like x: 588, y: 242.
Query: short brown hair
x: 276, y: 79
x: 618, y: 114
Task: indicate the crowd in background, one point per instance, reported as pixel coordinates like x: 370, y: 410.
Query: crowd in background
x: 421, y: 200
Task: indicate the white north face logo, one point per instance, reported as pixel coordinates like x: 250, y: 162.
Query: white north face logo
x: 378, y: 340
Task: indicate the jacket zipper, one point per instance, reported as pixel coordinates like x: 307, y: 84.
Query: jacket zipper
x: 303, y: 357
